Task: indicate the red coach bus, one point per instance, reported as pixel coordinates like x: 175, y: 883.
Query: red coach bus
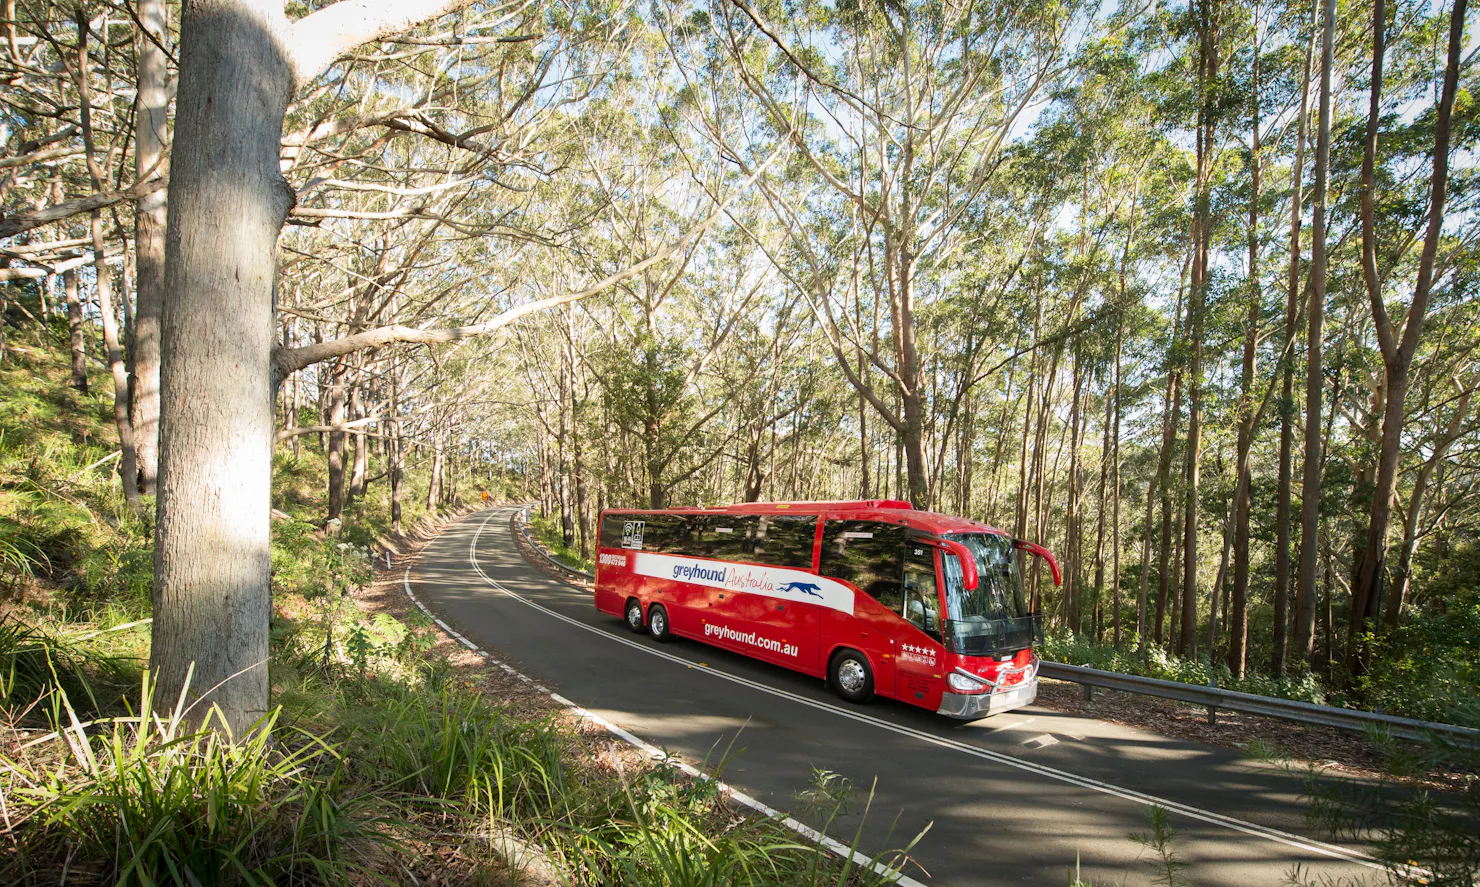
x: 873, y: 596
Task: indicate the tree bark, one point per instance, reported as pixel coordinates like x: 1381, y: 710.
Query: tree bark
x: 127, y: 464
x: 1100, y: 511
x: 1201, y: 225
x: 1071, y: 602
x: 1310, y: 486
x: 150, y: 143
x: 1238, y: 610
x: 336, y: 449
x: 1394, y: 608
x: 1285, y: 482
x: 240, y: 64
x: 76, y: 330
x: 1163, y: 480
x: 395, y: 451
x: 360, y: 464
x: 227, y: 204
x: 1115, y: 488
x: 434, y: 481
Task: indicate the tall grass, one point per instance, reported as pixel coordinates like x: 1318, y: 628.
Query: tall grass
x: 548, y: 533
x: 148, y: 799
x: 39, y: 667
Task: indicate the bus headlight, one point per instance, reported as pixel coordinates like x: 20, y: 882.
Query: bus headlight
x: 961, y: 682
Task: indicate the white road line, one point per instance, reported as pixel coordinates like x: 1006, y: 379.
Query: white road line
x: 1272, y: 834
x: 852, y: 856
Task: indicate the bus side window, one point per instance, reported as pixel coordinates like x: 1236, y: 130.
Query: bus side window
x: 921, y: 601
x: 784, y: 540
x: 689, y: 537
x: 728, y: 537
x: 867, y: 554
x: 664, y: 532
x: 611, y: 529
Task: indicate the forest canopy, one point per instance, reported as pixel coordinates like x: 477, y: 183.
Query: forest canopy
x: 1184, y: 292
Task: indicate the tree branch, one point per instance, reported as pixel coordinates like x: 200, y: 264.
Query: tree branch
x: 58, y: 211
x: 323, y: 36
x: 286, y: 361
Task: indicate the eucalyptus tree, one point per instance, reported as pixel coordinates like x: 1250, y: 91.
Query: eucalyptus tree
x: 899, y: 125
x: 1398, y: 348
x: 226, y: 210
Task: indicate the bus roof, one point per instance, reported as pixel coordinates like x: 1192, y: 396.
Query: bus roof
x: 891, y: 510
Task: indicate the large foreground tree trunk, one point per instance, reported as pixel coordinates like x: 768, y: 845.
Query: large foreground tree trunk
x: 227, y: 204
x: 240, y: 62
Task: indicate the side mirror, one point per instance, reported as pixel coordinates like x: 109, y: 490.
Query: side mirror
x: 968, y: 562
x: 1040, y: 551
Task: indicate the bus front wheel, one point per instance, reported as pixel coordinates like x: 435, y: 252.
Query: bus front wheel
x: 851, y: 677
x: 658, y: 622
x: 634, y: 616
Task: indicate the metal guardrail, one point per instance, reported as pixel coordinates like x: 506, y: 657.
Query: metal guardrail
x: 521, y: 520
x: 1214, y: 699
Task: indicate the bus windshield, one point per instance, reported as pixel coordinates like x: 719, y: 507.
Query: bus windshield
x: 993, y: 618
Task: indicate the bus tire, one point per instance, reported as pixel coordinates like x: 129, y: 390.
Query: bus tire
x: 658, y: 623
x: 633, y: 616
x: 850, y: 676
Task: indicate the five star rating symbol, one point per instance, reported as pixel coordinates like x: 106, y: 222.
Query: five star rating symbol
x: 915, y: 651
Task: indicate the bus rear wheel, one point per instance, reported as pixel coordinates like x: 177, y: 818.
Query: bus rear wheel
x: 634, y: 616
x: 851, y: 677
x: 658, y: 623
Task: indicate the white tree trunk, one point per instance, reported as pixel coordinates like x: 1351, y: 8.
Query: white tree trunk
x: 150, y: 141
x: 240, y: 62
x: 227, y: 203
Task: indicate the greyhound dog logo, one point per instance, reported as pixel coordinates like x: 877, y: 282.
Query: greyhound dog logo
x: 803, y: 587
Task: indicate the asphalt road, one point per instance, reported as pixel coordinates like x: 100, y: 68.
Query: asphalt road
x: 1014, y: 798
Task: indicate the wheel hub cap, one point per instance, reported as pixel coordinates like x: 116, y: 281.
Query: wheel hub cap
x: 851, y: 676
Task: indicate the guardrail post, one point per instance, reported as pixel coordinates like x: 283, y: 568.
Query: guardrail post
x: 1212, y: 716
x: 1089, y: 692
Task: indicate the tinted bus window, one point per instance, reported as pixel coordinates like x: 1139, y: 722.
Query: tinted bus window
x: 867, y: 554
x: 727, y: 537
x: 664, y: 532
x: 624, y: 530
x: 610, y: 535
x: 784, y: 540
x: 921, y: 600
x: 686, y: 536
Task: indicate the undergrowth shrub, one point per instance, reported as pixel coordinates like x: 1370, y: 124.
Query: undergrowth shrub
x: 1420, y: 834
x: 1075, y: 649
x: 1429, y: 668
x: 309, y: 563
x: 547, y: 531
x: 662, y: 829
x: 40, y: 668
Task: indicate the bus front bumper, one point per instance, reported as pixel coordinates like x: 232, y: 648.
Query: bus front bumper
x: 969, y: 706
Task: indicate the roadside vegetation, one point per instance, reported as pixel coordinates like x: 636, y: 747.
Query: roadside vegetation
x: 379, y: 761
x: 547, y: 532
